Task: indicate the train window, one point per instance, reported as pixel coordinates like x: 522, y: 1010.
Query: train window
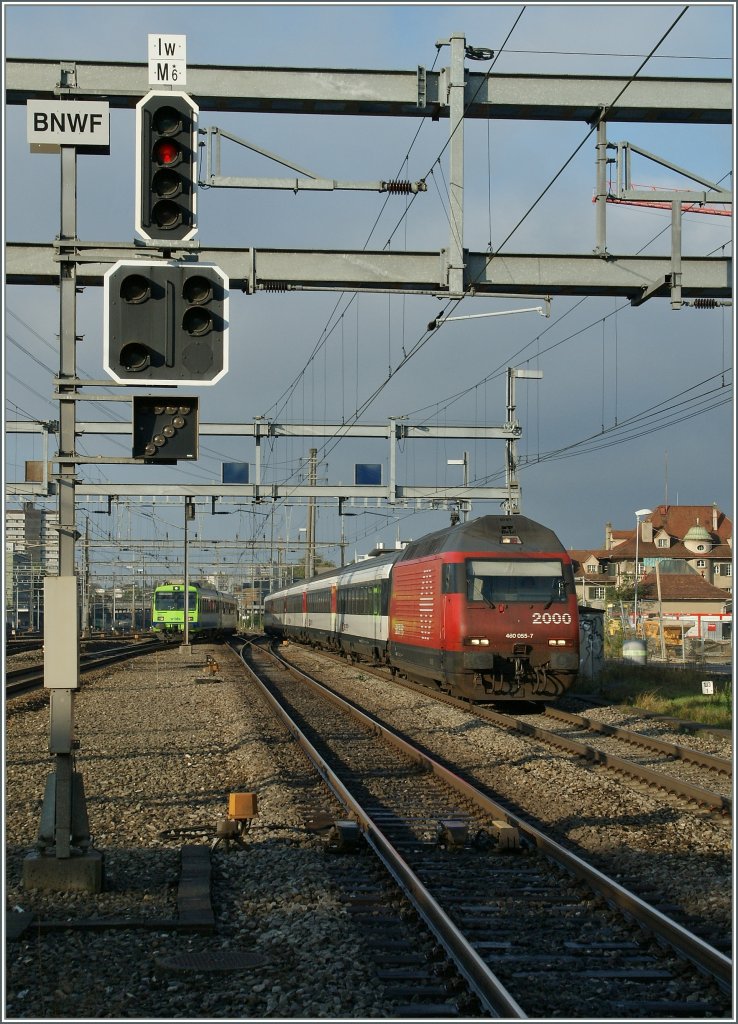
x: 497, y: 581
x: 319, y: 601
x: 172, y: 601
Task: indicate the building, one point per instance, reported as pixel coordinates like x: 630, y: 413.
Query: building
x: 31, y: 553
x: 687, y: 550
x: 698, y: 536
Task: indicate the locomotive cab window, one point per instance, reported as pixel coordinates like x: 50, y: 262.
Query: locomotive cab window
x: 172, y: 601
x: 496, y: 581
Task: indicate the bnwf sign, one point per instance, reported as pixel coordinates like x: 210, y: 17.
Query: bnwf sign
x: 54, y: 123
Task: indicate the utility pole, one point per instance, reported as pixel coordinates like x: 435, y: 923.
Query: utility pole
x: 86, y: 582
x: 310, y: 537
x: 189, y: 513
x: 64, y: 858
x: 511, y: 479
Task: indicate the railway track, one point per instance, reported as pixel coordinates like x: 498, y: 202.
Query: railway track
x: 536, y: 932
x: 31, y: 677
x: 670, y: 767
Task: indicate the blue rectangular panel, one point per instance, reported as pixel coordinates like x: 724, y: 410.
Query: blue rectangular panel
x: 235, y: 472
x: 367, y: 473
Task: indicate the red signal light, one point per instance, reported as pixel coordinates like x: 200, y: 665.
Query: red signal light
x: 166, y: 152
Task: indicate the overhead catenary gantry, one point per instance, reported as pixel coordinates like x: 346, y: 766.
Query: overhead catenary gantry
x: 454, y: 93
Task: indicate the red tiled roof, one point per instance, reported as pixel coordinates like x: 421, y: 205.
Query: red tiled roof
x: 677, y: 519
x: 680, y: 587
x: 627, y: 550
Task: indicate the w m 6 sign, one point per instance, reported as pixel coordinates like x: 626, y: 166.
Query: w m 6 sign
x: 54, y: 123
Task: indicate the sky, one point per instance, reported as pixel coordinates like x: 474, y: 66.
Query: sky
x: 635, y: 405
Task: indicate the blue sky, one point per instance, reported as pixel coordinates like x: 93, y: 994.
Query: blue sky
x: 604, y: 363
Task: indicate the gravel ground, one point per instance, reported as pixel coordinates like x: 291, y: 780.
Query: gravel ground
x: 159, y: 754
x: 180, y: 746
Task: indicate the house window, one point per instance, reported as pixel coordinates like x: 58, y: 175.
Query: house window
x: 662, y: 542
x: 724, y: 570
x: 596, y: 593
x: 701, y: 563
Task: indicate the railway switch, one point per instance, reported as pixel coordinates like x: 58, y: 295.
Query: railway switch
x: 507, y: 836
x: 345, y: 837
x: 453, y: 833
x: 166, y: 161
x: 242, y: 807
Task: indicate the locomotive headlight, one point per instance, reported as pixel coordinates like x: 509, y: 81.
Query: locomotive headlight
x: 477, y: 641
x: 557, y: 643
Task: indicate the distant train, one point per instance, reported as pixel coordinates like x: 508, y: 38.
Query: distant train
x: 210, y: 613
x: 486, y: 610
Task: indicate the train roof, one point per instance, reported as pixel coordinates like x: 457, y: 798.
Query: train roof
x: 510, y: 534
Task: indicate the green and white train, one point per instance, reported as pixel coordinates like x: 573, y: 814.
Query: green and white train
x: 210, y: 612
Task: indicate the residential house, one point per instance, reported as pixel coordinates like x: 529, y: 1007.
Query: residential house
x: 692, y: 546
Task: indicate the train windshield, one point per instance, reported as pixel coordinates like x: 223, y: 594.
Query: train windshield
x: 172, y: 601
x: 502, y: 582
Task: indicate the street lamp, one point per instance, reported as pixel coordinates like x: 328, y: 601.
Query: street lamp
x: 638, y: 514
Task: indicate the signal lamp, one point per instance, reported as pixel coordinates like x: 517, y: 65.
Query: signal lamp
x: 166, y: 322
x: 166, y: 131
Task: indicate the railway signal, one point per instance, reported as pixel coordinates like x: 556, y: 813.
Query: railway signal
x: 165, y: 429
x: 166, y: 161
x: 165, y: 323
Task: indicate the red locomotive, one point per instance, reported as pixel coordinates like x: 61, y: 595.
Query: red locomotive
x: 486, y: 610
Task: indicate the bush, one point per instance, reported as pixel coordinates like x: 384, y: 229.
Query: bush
x: 665, y: 690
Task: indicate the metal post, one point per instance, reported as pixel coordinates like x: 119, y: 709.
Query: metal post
x: 467, y: 503
x: 640, y: 512
x: 511, y: 481
x: 456, y: 166
x: 601, y: 197
x: 310, y: 535
x: 676, y: 254
x: 635, y: 587
x: 189, y: 510
x: 63, y: 859
x: 86, y: 583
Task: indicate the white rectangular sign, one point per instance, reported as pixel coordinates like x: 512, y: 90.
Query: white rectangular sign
x: 68, y: 123
x: 167, y: 60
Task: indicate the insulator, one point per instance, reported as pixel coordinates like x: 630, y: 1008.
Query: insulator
x: 401, y: 188
x: 479, y: 53
x: 705, y: 303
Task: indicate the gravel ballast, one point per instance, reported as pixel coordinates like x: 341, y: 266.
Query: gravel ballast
x: 159, y: 754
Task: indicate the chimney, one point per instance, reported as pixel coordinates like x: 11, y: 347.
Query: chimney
x: 714, y: 517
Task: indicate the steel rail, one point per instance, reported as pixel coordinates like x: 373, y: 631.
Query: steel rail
x: 489, y: 989
x: 21, y: 680
x: 705, y: 957
x: 718, y: 764
x: 651, y: 776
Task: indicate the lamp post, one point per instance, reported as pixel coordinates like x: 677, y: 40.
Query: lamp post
x: 638, y: 514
